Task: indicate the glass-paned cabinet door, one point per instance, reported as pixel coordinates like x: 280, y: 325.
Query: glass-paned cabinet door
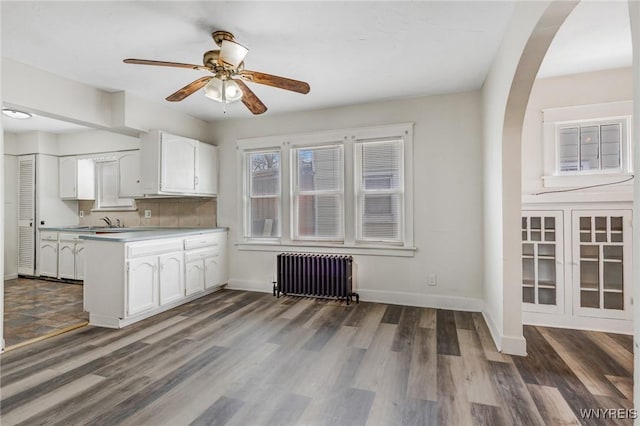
x: 602, y: 263
x: 542, y: 260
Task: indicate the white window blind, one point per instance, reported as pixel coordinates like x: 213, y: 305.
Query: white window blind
x: 318, y: 193
x: 379, y: 190
x: 263, y: 209
x: 590, y: 146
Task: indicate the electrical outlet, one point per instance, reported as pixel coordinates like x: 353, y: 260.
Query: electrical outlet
x: 81, y: 214
x: 433, y: 279
x: 147, y: 214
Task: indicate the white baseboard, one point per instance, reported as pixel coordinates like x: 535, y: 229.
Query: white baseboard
x: 509, y: 345
x: 246, y: 285
x: 390, y: 297
x: 10, y: 277
x: 422, y: 300
x: 607, y: 325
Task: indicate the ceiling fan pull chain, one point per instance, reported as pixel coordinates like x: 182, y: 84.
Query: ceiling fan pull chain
x: 224, y: 96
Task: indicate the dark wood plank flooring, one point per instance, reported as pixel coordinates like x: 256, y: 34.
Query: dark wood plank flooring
x: 241, y: 358
x: 35, y: 308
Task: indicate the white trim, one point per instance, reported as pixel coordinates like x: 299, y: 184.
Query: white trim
x: 399, y: 251
x: 11, y: 277
x: 577, y: 180
x: 510, y: 345
x: 390, y: 297
x: 607, y: 325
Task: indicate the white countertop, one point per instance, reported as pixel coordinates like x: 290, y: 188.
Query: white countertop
x: 133, y: 234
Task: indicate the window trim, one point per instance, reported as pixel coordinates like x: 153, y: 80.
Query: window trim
x: 346, y: 137
x: 555, y: 118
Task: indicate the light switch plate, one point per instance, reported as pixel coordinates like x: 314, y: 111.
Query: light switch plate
x: 147, y: 214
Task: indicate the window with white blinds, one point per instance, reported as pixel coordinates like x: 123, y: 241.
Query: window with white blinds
x: 379, y: 190
x: 348, y: 188
x: 318, y: 193
x: 263, y: 206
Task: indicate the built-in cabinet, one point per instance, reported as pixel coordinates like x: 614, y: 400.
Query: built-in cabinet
x: 48, y: 254
x: 175, y: 165
x: 129, y: 178
x: 76, y: 178
x: 70, y: 256
x: 61, y: 255
x: 576, y: 268
x: 128, y: 281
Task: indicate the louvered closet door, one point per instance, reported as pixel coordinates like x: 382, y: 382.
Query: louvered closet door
x: 26, y: 214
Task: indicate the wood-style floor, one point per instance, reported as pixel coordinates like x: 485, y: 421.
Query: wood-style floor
x: 35, y: 308
x: 241, y: 358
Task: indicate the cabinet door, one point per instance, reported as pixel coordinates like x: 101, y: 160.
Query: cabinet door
x: 602, y: 263
x: 79, y: 261
x: 171, y: 277
x: 178, y: 164
x: 48, y: 262
x: 66, y: 260
x: 207, y: 176
x: 142, y: 285
x: 542, y: 261
x: 129, y: 175
x: 67, y: 177
x: 194, y: 274
x: 212, y: 272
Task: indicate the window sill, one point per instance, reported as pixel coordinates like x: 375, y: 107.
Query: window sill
x: 328, y: 249
x: 570, y: 181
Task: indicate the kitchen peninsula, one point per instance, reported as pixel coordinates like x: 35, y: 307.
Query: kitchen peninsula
x: 134, y: 274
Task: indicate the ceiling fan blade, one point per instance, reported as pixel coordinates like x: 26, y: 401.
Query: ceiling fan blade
x: 275, y: 81
x: 189, y: 89
x: 165, y: 64
x: 250, y: 100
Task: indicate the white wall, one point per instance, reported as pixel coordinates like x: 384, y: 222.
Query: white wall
x: 447, y: 199
x: 10, y: 185
x: 571, y: 90
x: 95, y: 141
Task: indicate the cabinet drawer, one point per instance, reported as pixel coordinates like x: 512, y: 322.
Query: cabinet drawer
x: 200, y: 254
x: 153, y: 247
x: 65, y: 236
x: 202, y: 241
x: 49, y: 235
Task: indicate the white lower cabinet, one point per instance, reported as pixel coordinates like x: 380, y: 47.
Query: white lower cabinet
x: 48, y: 262
x: 171, y: 277
x: 142, y: 284
x: 158, y: 275
x: 576, y: 268
x: 70, y: 256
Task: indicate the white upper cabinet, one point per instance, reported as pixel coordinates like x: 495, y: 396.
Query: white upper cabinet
x: 175, y: 165
x: 130, y: 184
x: 76, y: 178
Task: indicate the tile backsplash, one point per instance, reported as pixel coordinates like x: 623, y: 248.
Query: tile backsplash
x: 165, y: 212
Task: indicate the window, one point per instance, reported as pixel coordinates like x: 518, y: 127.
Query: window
x: 326, y: 190
x: 263, y: 216
x: 379, y: 191
x: 590, y: 146
x: 587, y: 145
x: 318, y: 193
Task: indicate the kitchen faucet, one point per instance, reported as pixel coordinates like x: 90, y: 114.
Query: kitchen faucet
x: 107, y: 221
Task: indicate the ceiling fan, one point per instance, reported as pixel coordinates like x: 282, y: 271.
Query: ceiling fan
x: 227, y: 82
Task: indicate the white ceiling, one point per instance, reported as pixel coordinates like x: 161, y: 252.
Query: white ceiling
x: 38, y: 123
x: 349, y: 52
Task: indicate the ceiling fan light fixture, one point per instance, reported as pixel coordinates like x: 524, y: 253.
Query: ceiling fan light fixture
x: 232, y: 53
x: 213, y: 90
x: 14, y: 113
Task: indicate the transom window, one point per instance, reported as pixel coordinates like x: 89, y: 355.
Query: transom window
x: 347, y: 187
x: 591, y: 146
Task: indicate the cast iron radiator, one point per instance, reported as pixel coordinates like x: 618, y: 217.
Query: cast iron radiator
x: 317, y: 275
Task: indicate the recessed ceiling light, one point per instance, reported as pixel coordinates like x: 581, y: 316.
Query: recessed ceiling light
x: 12, y: 113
